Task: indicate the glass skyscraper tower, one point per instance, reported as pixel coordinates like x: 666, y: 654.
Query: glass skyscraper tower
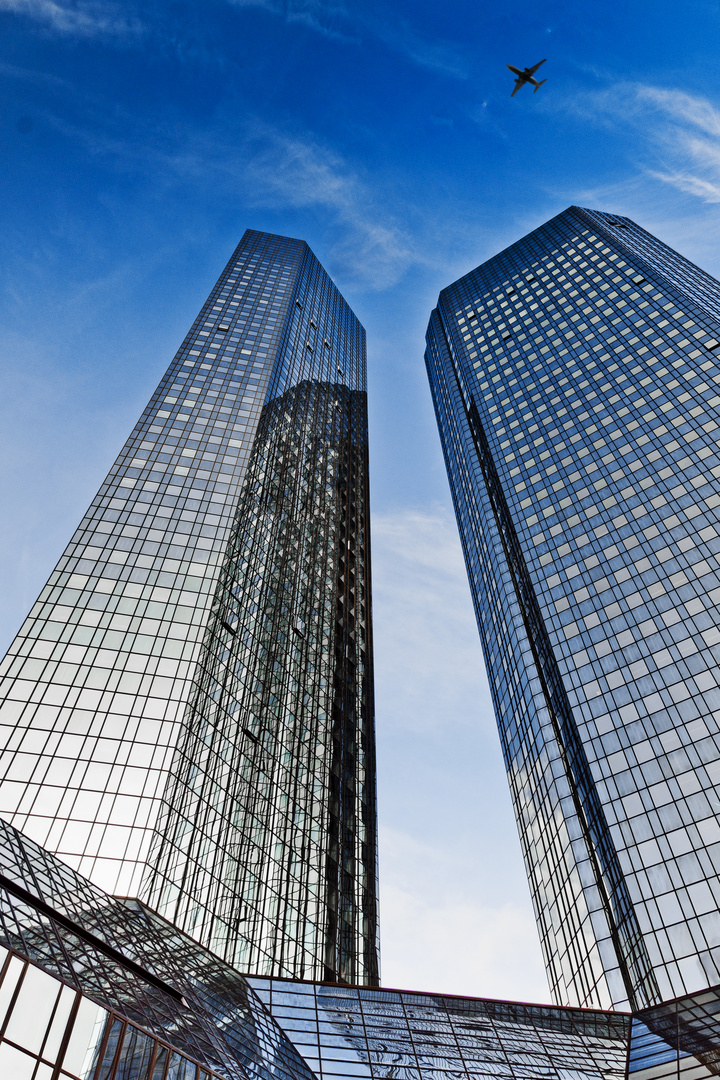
x: 576, y: 382
x: 187, y: 712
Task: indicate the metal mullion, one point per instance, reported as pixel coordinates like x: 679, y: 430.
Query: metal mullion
x: 13, y: 999
x: 62, y: 1049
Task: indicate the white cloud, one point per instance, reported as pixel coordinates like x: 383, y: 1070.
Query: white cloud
x: 298, y: 172
x: 455, y: 909
x: 677, y: 134
x: 330, y: 18
x: 438, y: 937
x: 429, y: 667
x: 272, y: 169
x: 686, y: 132
x: 83, y: 18
x: 323, y: 16
x: 434, y: 54
x: 693, y: 110
x: 693, y: 185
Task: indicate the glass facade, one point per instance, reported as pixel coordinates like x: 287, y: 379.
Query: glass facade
x: 187, y: 713
x: 575, y: 383
x: 349, y: 1032
x: 679, y: 1038
x: 93, y: 987
x: 271, y: 858
x: 101, y: 988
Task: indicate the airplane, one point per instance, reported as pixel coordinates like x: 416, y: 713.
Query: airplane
x: 526, y: 76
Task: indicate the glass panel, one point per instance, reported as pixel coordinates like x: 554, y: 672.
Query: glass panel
x: 59, y: 1023
x: 160, y: 1059
x: 13, y: 973
x: 346, y: 1068
x: 179, y: 1068
x: 80, y: 1056
x: 135, y: 1056
x: 14, y: 1065
x: 299, y: 1023
x: 32, y: 1010
x: 110, y: 1053
x: 394, y: 1072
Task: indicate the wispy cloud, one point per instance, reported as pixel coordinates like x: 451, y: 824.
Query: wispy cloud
x: 285, y: 170
x: 677, y: 134
x: 334, y: 18
x: 82, y: 18
x: 12, y: 71
x: 687, y: 135
x: 434, y: 53
x: 269, y: 168
x: 686, y: 108
x: 437, y: 936
x: 429, y: 666
x: 327, y: 17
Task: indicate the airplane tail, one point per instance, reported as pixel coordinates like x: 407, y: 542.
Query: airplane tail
x: 538, y: 85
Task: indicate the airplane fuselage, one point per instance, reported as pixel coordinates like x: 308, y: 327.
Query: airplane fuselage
x: 526, y: 75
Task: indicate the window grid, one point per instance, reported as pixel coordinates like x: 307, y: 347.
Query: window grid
x: 587, y: 351
x: 127, y: 961
x: 108, y: 692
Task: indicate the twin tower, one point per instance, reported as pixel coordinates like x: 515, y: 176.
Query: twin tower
x: 187, y: 712
x: 188, y: 709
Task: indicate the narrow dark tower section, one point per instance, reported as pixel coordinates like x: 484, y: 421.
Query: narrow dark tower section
x: 267, y: 846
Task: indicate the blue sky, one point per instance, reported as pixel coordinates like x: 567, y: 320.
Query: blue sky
x: 140, y: 140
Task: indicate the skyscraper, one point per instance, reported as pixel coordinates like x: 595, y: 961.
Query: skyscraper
x: 187, y: 712
x: 260, y: 841
x: 575, y: 380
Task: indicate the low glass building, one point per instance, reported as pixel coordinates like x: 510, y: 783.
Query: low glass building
x: 97, y: 988
x: 347, y: 1032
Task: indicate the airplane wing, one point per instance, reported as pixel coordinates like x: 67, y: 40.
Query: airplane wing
x: 518, y: 84
x: 534, y: 69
